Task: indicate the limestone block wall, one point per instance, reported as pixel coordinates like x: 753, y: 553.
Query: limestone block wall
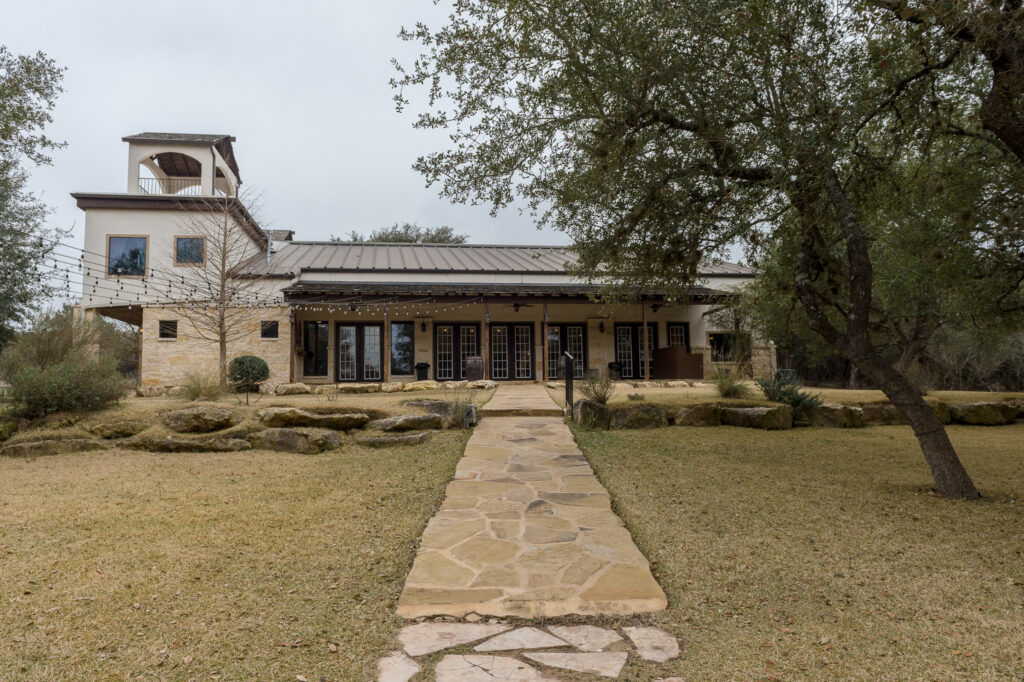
x: 167, y: 362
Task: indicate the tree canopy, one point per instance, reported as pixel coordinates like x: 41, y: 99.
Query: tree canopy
x: 829, y: 138
x: 29, y: 86
x: 408, y: 233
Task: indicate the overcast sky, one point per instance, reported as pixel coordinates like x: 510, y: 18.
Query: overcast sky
x: 303, y: 86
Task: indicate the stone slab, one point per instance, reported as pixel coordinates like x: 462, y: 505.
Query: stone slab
x: 523, y: 638
x: 653, y: 644
x: 527, y: 530
x: 426, y: 638
x: 586, y: 637
x: 396, y: 667
x: 604, y: 664
x: 483, y: 668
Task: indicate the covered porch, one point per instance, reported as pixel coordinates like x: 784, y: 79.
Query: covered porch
x: 362, y: 333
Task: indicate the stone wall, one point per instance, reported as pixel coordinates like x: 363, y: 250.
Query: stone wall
x: 167, y: 362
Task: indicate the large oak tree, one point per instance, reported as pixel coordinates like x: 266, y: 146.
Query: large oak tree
x: 657, y: 132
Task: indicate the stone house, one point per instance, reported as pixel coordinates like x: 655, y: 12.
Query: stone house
x: 329, y: 312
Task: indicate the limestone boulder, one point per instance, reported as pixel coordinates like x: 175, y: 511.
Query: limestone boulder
x: 881, y: 414
x: 341, y: 421
x: 278, y: 417
x: 199, y: 419
x: 150, y: 391
x: 769, y: 418
x: 639, y: 416
x: 358, y: 388
x: 391, y: 387
x: 704, y: 414
x: 124, y: 429
x: 155, y: 443
x: 409, y: 422
x: 299, y: 440
x: 592, y: 415
x: 440, y: 407
x: 984, y: 414
x: 832, y: 415
x: 56, y: 446
x: 426, y: 385
x: 384, y: 441
x: 175, y: 391
x: 482, y: 384
x: 292, y: 389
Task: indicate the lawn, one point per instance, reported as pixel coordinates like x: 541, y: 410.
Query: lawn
x: 821, y: 554
x: 251, y: 565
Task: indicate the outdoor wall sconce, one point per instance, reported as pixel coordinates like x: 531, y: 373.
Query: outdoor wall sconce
x: 423, y: 326
x: 600, y: 327
x: 515, y: 307
x: 654, y: 307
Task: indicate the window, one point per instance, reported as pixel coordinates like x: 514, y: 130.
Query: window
x: 679, y: 334
x: 314, y: 348
x: 268, y: 329
x: 729, y: 346
x: 189, y: 250
x: 126, y: 256
x: 402, y: 348
x: 168, y: 329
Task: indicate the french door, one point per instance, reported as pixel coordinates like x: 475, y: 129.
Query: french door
x: 314, y: 348
x: 511, y: 351
x: 453, y: 343
x: 571, y: 338
x: 629, y: 353
x: 360, y: 352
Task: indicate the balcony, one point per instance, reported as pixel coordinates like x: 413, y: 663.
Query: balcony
x: 189, y: 187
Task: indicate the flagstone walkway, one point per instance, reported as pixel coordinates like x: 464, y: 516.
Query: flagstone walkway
x: 526, y: 529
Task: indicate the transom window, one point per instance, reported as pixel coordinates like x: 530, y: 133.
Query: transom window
x: 189, y: 250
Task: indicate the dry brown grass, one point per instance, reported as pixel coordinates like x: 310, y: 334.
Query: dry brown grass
x: 242, y: 565
x: 820, y: 554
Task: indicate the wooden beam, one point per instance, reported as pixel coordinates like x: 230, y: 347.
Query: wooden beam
x: 646, y: 347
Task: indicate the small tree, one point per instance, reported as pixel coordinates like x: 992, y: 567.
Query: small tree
x: 217, y: 292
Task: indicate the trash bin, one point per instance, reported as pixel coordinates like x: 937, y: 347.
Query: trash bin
x: 421, y: 370
x: 615, y: 370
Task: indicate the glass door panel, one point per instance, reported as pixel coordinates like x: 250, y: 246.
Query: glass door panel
x: 499, y: 352
x: 371, y: 353
x: 624, y: 350
x: 524, y: 354
x: 467, y: 347
x: 314, y: 348
x: 574, y: 344
x: 445, y: 352
x: 554, y: 351
x: 346, y: 343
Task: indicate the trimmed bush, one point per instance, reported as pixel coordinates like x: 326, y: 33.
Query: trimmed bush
x: 78, y: 382
x: 248, y: 371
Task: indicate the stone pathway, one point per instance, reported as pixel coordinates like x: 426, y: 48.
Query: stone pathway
x: 526, y: 529
x: 513, y: 654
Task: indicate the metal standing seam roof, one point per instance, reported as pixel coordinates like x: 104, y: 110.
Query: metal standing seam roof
x: 294, y: 257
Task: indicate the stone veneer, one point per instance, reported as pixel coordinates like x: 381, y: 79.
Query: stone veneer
x: 167, y: 362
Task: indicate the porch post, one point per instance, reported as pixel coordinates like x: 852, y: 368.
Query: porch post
x: 385, y: 370
x: 486, y: 355
x: 291, y: 350
x: 646, y: 347
x: 544, y: 345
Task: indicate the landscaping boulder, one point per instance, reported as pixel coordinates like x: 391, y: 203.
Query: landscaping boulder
x: 276, y: 417
x: 887, y: 414
x: 639, y: 416
x: 383, y: 441
x: 176, y: 391
x: 358, y: 388
x: 409, y: 422
x: 292, y: 389
x: 426, y: 385
x: 984, y: 414
x: 440, y: 407
x: 482, y: 383
x: 199, y: 419
x: 150, y: 391
x: 55, y: 446
x: 300, y: 440
x: 591, y: 414
x: 835, y: 416
x: 705, y: 414
x: 155, y: 443
x: 770, y: 418
x: 113, y: 430
x: 392, y: 387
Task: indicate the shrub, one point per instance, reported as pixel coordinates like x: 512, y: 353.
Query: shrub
x: 247, y: 371
x: 636, y: 397
x: 202, y: 385
x: 56, y: 365
x: 77, y: 382
x: 730, y: 385
x: 597, y: 387
x: 782, y: 388
x: 458, y: 408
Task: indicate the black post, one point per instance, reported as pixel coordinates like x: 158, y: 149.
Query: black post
x: 567, y: 362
